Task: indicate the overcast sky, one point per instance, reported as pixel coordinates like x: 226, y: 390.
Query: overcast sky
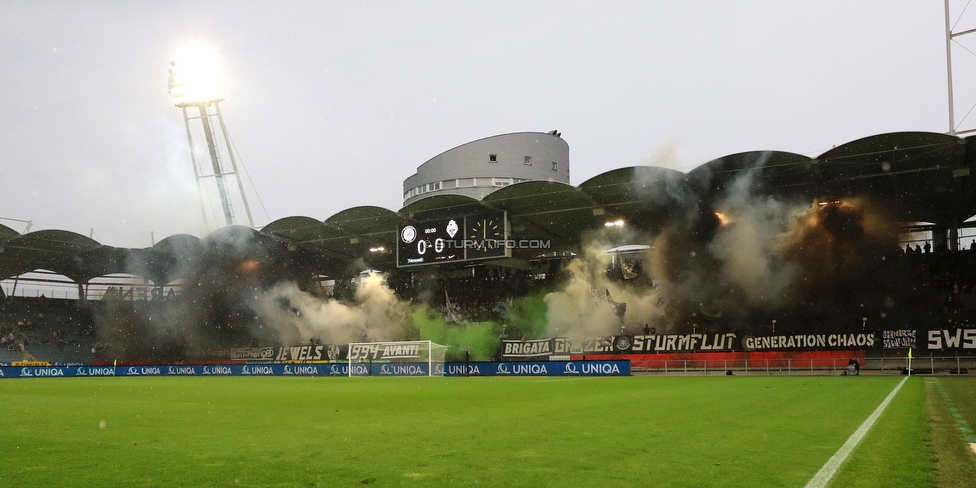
x: 333, y: 104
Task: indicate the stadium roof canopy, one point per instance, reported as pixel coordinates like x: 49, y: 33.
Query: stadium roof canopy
x: 914, y: 176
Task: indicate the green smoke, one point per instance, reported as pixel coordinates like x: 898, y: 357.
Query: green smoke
x: 527, y: 317
x: 480, y: 338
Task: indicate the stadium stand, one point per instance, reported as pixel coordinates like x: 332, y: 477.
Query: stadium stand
x: 912, y: 179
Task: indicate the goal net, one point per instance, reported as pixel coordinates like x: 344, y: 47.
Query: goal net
x: 403, y: 358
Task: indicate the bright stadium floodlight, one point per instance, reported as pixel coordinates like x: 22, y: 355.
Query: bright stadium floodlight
x: 193, y: 78
x: 194, y: 81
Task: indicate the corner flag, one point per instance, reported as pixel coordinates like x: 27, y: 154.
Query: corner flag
x: 909, y: 361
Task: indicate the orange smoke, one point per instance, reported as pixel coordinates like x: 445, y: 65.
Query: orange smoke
x: 834, y: 239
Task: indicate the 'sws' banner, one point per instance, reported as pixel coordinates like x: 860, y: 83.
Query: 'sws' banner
x: 514, y: 368
x: 953, y: 339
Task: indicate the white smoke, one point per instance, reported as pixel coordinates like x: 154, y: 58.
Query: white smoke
x: 741, y: 265
x: 298, y: 317
x: 585, y: 306
x: 749, y: 244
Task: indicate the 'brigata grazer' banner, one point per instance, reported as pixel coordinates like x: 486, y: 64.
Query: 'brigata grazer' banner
x: 640, y: 344
x: 541, y: 348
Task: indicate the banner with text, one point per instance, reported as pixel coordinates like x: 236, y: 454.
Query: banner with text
x: 540, y: 368
x: 808, y: 341
x: 514, y: 368
x: 952, y: 339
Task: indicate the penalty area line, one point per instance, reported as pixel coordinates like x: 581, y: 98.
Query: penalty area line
x: 827, y: 471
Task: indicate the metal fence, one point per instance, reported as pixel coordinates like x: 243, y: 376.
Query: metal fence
x: 814, y: 366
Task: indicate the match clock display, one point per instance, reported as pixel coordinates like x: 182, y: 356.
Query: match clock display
x: 486, y: 236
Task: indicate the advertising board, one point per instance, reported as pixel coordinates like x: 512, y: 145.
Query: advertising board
x: 513, y: 368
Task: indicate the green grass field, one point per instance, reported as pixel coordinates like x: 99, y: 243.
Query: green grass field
x: 631, y: 431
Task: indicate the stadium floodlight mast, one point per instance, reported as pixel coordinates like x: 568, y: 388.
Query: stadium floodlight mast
x: 953, y: 31
x: 193, y: 82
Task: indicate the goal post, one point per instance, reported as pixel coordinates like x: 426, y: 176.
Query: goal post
x: 399, y: 358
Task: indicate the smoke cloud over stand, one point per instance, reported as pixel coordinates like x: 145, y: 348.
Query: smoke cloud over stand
x: 735, y: 263
x: 298, y: 317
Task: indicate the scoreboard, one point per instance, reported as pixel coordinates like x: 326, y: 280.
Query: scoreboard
x: 429, y: 241
x: 460, y: 238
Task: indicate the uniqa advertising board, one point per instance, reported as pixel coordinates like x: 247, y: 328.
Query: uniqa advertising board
x: 514, y: 368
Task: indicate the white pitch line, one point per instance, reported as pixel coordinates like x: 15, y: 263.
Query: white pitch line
x: 827, y: 471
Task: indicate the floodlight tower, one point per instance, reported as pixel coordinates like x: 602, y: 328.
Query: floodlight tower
x: 193, y: 86
x: 953, y: 31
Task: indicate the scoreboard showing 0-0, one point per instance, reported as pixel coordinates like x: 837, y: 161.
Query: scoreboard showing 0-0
x: 461, y: 238
x: 429, y: 242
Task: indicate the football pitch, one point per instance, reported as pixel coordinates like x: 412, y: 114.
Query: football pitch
x: 623, y: 431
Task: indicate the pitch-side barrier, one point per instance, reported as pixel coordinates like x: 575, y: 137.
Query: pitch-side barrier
x: 512, y: 368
